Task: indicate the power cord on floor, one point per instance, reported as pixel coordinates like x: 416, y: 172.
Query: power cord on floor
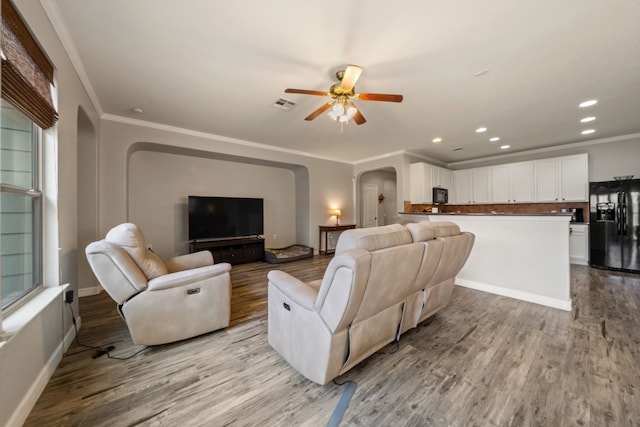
x: 99, y: 350
x: 343, y: 403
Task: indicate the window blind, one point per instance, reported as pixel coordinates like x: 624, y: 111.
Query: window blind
x: 27, y: 74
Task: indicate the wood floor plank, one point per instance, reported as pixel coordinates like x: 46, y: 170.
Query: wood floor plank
x: 484, y: 360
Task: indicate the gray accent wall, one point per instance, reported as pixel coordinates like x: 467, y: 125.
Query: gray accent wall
x: 160, y: 183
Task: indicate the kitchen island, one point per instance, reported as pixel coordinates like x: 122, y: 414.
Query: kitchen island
x: 522, y: 256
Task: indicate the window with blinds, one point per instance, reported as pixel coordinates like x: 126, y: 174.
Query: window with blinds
x: 20, y: 203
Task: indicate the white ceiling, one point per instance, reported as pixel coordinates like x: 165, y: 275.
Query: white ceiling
x: 217, y: 67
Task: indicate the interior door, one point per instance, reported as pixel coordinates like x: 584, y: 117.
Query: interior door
x: 370, y: 205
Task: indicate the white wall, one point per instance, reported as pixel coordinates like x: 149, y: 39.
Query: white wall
x: 164, y: 219
x: 320, y: 185
x: 29, y: 358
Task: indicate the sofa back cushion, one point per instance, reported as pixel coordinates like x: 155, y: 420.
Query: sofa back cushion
x: 445, y: 228
x: 130, y: 238
x: 422, y: 231
x: 374, y: 238
x: 115, y: 270
x: 340, y: 292
x: 392, y: 275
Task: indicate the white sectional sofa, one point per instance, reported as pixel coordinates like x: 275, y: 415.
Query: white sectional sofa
x: 381, y: 282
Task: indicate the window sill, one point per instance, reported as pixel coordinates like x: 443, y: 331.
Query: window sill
x: 18, y: 319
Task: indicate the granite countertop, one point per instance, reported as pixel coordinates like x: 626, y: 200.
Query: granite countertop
x: 494, y: 214
x: 488, y: 214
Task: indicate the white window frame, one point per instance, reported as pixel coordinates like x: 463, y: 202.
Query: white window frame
x: 35, y: 194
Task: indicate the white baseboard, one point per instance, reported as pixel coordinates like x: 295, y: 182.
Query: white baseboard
x: 71, y: 334
x: 30, y: 398
x: 85, y: 292
x: 512, y: 293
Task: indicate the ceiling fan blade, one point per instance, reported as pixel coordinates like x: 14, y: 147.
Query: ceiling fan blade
x: 307, y: 92
x: 351, y: 75
x: 359, y: 118
x: 319, y: 111
x: 379, y: 97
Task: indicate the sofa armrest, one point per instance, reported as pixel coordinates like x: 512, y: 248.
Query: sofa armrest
x: 299, y: 292
x: 188, y: 277
x: 189, y: 261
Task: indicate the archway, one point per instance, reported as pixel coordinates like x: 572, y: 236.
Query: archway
x: 385, y: 179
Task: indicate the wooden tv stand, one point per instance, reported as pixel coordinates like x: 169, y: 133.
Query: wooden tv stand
x: 234, y: 251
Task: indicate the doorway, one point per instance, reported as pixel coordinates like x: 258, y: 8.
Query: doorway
x: 378, y: 197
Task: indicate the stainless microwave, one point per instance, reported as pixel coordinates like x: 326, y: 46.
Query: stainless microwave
x: 440, y: 196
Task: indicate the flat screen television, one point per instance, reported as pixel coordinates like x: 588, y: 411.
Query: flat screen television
x: 225, y: 217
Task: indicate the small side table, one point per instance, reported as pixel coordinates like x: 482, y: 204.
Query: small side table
x: 326, y: 229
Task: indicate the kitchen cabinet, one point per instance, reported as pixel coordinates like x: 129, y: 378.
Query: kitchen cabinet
x: 441, y: 177
x: 579, y: 243
x: 575, y: 179
x: 512, y: 183
x: 463, y: 191
x: 420, y: 183
x: 472, y: 186
x: 423, y: 177
x: 547, y: 180
x: 481, y: 184
x: 562, y: 179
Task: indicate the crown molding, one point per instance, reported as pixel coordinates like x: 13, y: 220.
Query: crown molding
x: 211, y: 136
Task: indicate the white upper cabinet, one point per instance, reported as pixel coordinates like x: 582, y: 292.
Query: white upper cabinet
x: 575, y: 178
x: 523, y: 182
x: 420, y: 183
x: 472, y: 186
x: 512, y: 183
x: 423, y: 177
x: 547, y: 180
x: 481, y: 184
x: 462, y: 179
x: 562, y: 179
x: 501, y: 184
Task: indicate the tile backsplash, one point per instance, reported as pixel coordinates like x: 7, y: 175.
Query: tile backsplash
x: 520, y: 208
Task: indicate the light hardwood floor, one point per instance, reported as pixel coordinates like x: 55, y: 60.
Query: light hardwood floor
x: 484, y: 360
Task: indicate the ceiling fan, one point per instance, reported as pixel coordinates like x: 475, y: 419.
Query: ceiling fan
x: 341, y: 107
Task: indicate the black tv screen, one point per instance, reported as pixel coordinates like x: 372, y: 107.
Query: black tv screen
x: 224, y: 217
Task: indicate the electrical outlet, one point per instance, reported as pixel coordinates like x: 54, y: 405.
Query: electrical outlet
x: 275, y: 236
x: 68, y: 297
x: 150, y: 247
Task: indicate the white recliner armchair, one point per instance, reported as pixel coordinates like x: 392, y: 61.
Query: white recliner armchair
x: 161, y: 301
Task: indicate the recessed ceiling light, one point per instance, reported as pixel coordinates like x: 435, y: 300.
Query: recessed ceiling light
x: 137, y: 110
x: 588, y: 103
x: 481, y: 129
x: 494, y: 139
x: 436, y: 140
x: 587, y: 119
x: 504, y: 147
x: 588, y: 131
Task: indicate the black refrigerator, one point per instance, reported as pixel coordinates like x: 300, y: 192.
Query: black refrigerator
x: 614, y: 225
